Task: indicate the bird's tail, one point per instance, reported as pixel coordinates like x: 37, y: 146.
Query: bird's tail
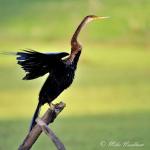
x: 33, y: 123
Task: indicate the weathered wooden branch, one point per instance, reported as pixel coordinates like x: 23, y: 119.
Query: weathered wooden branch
x: 49, y: 116
x: 59, y: 145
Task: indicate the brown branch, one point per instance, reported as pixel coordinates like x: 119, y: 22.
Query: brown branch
x: 49, y: 116
x: 59, y: 145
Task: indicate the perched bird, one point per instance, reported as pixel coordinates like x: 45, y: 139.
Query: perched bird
x: 60, y: 66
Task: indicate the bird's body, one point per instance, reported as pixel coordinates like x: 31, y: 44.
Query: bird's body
x: 60, y: 66
x: 61, y: 73
x: 60, y: 78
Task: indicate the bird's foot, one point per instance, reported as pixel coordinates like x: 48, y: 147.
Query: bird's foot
x: 51, y: 105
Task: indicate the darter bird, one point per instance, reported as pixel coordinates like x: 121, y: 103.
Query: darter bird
x: 60, y: 66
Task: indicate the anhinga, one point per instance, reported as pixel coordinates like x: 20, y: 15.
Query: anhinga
x: 60, y: 66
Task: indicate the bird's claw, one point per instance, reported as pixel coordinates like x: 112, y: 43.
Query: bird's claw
x: 52, y: 106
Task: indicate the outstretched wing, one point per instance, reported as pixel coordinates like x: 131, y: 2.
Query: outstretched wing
x: 37, y: 64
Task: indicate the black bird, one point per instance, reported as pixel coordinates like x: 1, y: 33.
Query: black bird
x: 60, y: 66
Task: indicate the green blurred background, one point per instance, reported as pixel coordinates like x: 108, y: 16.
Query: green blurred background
x: 110, y: 98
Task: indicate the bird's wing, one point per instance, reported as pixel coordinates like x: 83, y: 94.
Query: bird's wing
x: 37, y: 64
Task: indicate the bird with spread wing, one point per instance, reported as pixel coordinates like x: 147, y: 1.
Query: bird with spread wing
x: 60, y: 66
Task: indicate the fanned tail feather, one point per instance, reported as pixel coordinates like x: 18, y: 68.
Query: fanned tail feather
x: 36, y: 114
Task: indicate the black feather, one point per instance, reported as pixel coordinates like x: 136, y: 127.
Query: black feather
x: 33, y: 122
x: 37, y: 64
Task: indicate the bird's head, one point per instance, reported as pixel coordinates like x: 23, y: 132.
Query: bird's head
x: 90, y: 18
x: 75, y: 45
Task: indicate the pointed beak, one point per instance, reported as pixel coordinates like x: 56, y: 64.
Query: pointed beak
x: 101, y: 17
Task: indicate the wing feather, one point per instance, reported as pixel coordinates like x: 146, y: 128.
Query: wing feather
x: 37, y: 64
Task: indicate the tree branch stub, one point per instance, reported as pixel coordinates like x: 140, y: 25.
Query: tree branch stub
x: 49, y: 116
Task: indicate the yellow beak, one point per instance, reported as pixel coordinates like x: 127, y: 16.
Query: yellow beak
x: 101, y: 17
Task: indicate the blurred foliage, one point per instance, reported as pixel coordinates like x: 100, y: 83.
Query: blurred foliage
x: 109, y: 98
x: 45, y: 21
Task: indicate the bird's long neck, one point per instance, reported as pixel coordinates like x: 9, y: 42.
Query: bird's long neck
x: 77, y: 31
x: 75, y: 46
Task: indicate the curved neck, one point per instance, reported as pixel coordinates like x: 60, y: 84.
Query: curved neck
x: 76, y: 33
x: 75, y: 46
